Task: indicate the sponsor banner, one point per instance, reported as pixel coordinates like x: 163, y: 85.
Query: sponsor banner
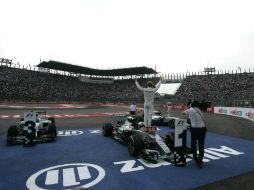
x: 246, y: 113
x: 211, y: 109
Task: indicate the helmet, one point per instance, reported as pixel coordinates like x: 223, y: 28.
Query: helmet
x: 130, y: 119
x: 141, y: 124
x: 150, y: 84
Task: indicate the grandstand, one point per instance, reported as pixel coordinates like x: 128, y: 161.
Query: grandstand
x: 61, y: 82
x: 235, y: 89
x: 30, y: 85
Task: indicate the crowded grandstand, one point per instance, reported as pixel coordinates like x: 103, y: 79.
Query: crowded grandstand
x: 60, y: 82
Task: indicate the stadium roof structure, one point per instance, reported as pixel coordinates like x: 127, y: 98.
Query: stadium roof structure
x: 97, y: 72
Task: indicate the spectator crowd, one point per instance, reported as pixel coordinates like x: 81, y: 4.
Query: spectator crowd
x: 27, y: 85
x: 219, y: 88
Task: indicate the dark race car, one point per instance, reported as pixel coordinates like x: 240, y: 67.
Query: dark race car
x: 33, y: 128
x: 158, y: 119
x: 141, y: 141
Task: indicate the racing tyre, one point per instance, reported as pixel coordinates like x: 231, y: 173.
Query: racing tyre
x: 169, y: 140
x: 11, y: 133
x: 135, y: 145
x: 52, y: 119
x: 107, y: 129
x: 52, y: 132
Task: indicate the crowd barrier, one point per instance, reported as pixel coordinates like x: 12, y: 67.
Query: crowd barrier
x: 246, y: 113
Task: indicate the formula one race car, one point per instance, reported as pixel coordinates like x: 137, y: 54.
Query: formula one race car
x: 159, y: 120
x: 34, y: 127
x: 120, y: 128
x: 141, y: 141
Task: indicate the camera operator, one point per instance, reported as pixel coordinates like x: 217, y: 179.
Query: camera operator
x: 198, y: 131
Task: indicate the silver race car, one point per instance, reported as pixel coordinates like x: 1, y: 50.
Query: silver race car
x: 158, y: 119
x: 33, y: 128
x: 141, y: 141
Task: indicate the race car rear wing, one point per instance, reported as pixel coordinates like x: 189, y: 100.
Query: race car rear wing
x: 119, y: 118
x: 119, y: 115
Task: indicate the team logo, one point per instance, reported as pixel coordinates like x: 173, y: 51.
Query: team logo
x: 236, y: 112
x: 66, y: 176
x: 221, y: 110
x: 69, y: 133
x: 250, y: 115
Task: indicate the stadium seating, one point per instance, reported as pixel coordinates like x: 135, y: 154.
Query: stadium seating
x: 222, y: 89
x: 27, y: 85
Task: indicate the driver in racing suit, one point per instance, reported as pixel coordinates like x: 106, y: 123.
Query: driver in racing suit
x: 169, y: 109
x: 149, y: 93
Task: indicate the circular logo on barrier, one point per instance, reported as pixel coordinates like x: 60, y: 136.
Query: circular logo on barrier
x: 69, y: 133
x: 66, y: 176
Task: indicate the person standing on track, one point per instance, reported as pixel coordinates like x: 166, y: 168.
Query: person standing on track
x: 149, y: 93
x: 133, y: 109
x: 169, y: 109
x: 198, y: 131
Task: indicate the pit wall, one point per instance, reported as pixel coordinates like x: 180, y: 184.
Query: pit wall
x: 246, y: 113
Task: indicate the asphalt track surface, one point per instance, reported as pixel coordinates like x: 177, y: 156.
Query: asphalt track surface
x: 237, y: 128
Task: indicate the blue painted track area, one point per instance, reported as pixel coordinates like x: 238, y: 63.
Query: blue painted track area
x: 86, y: 159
